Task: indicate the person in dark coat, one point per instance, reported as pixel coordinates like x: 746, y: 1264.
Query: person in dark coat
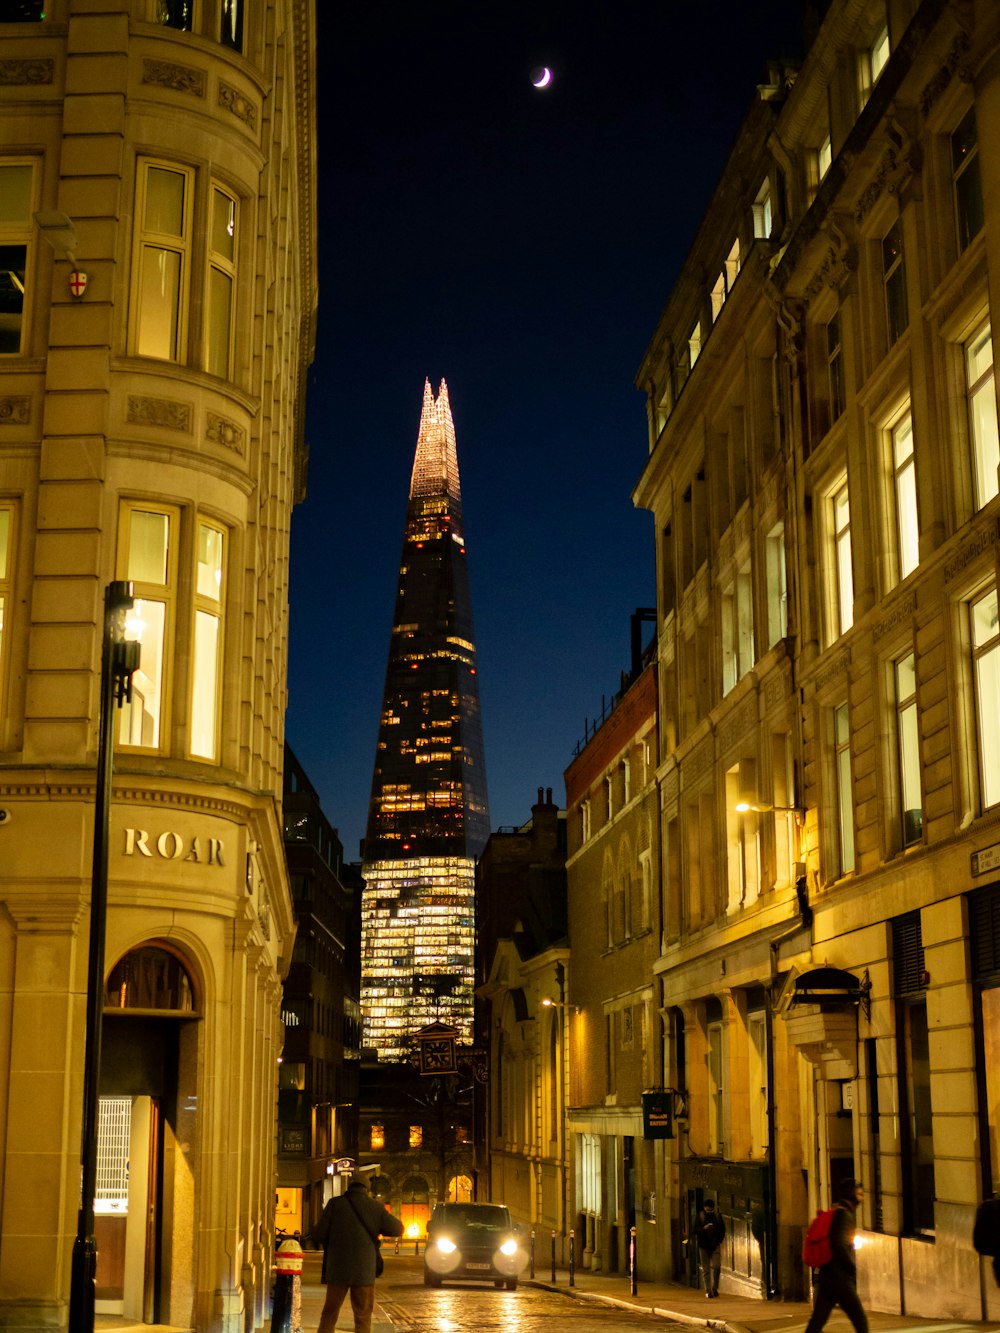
x: 347, y: 1233
x: 837, y: 1281
x: 709, y: 1231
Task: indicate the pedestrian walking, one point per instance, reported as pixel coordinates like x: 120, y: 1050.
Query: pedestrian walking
x: 348, y: 1233
x: 837, y: 1280
x: 709, y: 1231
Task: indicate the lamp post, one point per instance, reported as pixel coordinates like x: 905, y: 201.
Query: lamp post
x: 119, y: 659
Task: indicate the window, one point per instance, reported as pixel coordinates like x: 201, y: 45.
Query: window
x: 842, y: 560
x: 716, y: 1136
x: 175, y: 13
x: 835, y: 369
x: 742, y: 836
x: 737, y: 629
x: 209, y: 600
x: 817, y: 165
x: 6, y: 582
x: 22, y: 11
x: 416, y: 1136
x: 758, y: 1085
x: 147, y: 551
x: 231, y: 32
x: 845, y: 795
x: 585, y: 821
x: 694, y: 344
x: 894, y: 281
x: 908, y: 744
x: 913, y: 1062
x: 221, y: 285
x: 377, y: 1138
x: 872, y: 62
x: 982, y: 397
x: 905, y: 485
x: 762, y: 219
x: 724, y: 282
x: 149, y: 555
x: 777, y: 585
x: 986, y: 660
x: 163, y: 210
x: 965, y: 175
x: 16, y: 203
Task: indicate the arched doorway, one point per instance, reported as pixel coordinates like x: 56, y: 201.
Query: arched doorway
x: 144, y: 1204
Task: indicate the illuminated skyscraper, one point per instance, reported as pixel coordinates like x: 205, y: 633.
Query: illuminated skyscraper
x: 428, y: 818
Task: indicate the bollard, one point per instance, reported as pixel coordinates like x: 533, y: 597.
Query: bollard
x: 531, y: 1254
x: 631, y: 1261
x: 286, y: 1307
x: 416, y: 1247
x: 572, y: 1258
x: 553, y: 1256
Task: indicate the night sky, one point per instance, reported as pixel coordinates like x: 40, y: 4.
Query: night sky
x: 521, y: 244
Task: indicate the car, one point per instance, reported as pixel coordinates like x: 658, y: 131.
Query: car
x: 474, y: 1242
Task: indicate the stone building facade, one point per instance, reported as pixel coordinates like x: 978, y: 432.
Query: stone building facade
x: 823, y: 479
x: 612, y: 873
x: 522, y: 1022
x: 150, y: 431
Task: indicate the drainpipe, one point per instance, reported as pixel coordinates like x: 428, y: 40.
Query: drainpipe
x: 771, y: 1214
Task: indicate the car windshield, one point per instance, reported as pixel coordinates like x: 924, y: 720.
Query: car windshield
x: 491, y: 1217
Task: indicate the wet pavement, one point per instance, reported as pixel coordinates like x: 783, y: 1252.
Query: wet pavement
x: 671, y: 1302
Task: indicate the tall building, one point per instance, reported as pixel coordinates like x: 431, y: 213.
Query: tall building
x: 151, y: 431
x: 428, y: 818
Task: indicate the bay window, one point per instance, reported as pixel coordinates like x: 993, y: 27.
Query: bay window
x: 172, y: 628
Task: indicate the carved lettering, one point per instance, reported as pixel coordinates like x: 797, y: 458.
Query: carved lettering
x: 980, y: 543
x: 215, y: 852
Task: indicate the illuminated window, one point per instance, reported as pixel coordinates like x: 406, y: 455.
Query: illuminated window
x: 908, y: 748
x: 845, y: 788
x: 982, y: 397
x: 724, y: 282
x: 843, y: 565
x: 206, y: 677
x: 986, y: 660
x: 694, y: 343
x: 871, y: 62
x: 16, y: 204
x: 737, y: 629
x: 817, y: 165
x: 416, y: 1136
x: 147, y: 557
x: 163, y: 230
x: 904, y: 474
x: 221, y: 284
x: 762, y: 219
x: 377, y: 1138
x: 777, y: 585
x: 894, y: 281
x: 967, y: 185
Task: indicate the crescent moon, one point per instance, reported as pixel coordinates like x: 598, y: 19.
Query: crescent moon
x: 543, y: 78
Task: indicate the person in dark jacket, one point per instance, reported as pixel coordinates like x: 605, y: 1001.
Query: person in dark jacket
x: 709, y: 1232
x: 347, y: 1232
x: 837, y: 1281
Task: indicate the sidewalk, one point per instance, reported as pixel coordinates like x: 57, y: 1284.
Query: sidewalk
x: 666, y: 1300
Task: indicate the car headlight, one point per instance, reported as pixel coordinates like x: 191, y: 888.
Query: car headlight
x: 509, y: 1247
x: 445, y: 1245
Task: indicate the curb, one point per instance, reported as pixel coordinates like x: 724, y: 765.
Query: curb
x: 636, y: 1306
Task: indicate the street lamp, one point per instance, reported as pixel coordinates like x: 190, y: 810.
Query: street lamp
x: 119, y: 659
